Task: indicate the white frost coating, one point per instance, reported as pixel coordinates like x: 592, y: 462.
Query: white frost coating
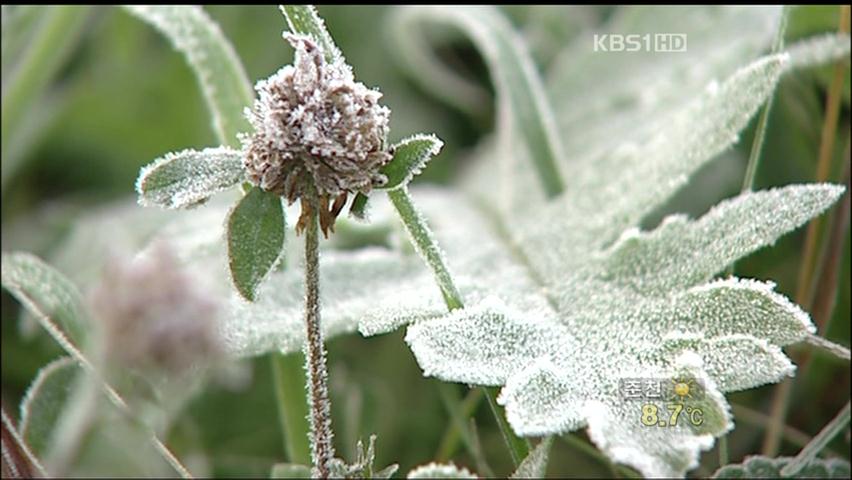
x: 185, y: 178
x: 435, y: 146
x: 817, y: 50
x: 440, y: 470
x: 559, y: 264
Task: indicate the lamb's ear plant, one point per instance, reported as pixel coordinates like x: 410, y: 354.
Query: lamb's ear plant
x: 567, y: 297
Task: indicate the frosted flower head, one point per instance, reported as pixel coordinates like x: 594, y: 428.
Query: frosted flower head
x: 316, y: 130
x: 153, y: 316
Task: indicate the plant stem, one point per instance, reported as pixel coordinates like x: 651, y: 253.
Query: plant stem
x: 763, y: 121
x: 804, y: 290
x: 288, y: 372
x: 426, y: 245
x: 825, y: 297
x: 818, y: 443
x: 322, y: 449
x: 518, y: 448
x: 723, y: 451
x: 593, y: 452
x: 837, y: 350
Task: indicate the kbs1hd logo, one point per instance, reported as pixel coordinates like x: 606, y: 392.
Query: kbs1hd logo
x: 635, y: 42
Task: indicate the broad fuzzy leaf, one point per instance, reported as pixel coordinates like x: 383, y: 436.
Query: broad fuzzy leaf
x: 255, y: 240
x: 41, y: 288
x: 763, y: 467
x: 409, y: 157
x: 44, y: 401
x: 189, y: 177
x: 566, y: 298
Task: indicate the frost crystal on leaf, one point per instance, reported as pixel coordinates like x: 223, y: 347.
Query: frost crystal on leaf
x: 315, y: 126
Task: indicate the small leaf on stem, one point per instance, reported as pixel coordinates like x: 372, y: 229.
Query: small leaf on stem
x: 255, y: 240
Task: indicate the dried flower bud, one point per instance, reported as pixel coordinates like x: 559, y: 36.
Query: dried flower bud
x: 316, y: 130
x: 153, y: 316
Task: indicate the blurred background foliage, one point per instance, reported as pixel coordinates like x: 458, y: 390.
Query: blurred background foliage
x: 115, y: 95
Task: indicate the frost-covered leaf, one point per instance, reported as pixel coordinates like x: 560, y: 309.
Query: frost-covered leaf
x: 568, y: 303
x: 220, y: 73
x: 763, y: 467
x: 303, y: 19
x: 255, y: 240
x: 115, y: 445
x: 440, y: 470
x: 48, y: 294
x: 818, y: 50
x: 44, y: 401
x: 409, y: 157
x: 535, y: 465
x: 189, y: 177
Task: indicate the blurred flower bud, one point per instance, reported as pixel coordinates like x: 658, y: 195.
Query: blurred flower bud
x: 154, y: 316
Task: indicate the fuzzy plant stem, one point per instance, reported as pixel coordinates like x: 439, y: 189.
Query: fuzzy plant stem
x: 426, y: 245
x: 322, y: 448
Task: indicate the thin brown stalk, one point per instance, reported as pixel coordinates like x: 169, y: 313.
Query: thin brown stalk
x: 804, y: 292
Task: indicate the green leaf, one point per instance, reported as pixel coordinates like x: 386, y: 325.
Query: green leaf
x: 220, y: 73
x: 189, y: 177
x: 535, y: 465
x: 763, y: 467
x: 409, y: 157
x: 255, y: 240
x: 44, y: 402
x: 439, y: 470
x: 304, y: 20
x: 48, y: 294
x: 290, y: 470
x: 522, y: 97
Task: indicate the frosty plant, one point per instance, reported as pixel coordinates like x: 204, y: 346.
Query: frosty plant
x: 318, y: 137
x: 563, y: 293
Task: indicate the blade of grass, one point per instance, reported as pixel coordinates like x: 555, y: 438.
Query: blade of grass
x: 453, y: 434
x: 818, y: 443
x: 762, y: 122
